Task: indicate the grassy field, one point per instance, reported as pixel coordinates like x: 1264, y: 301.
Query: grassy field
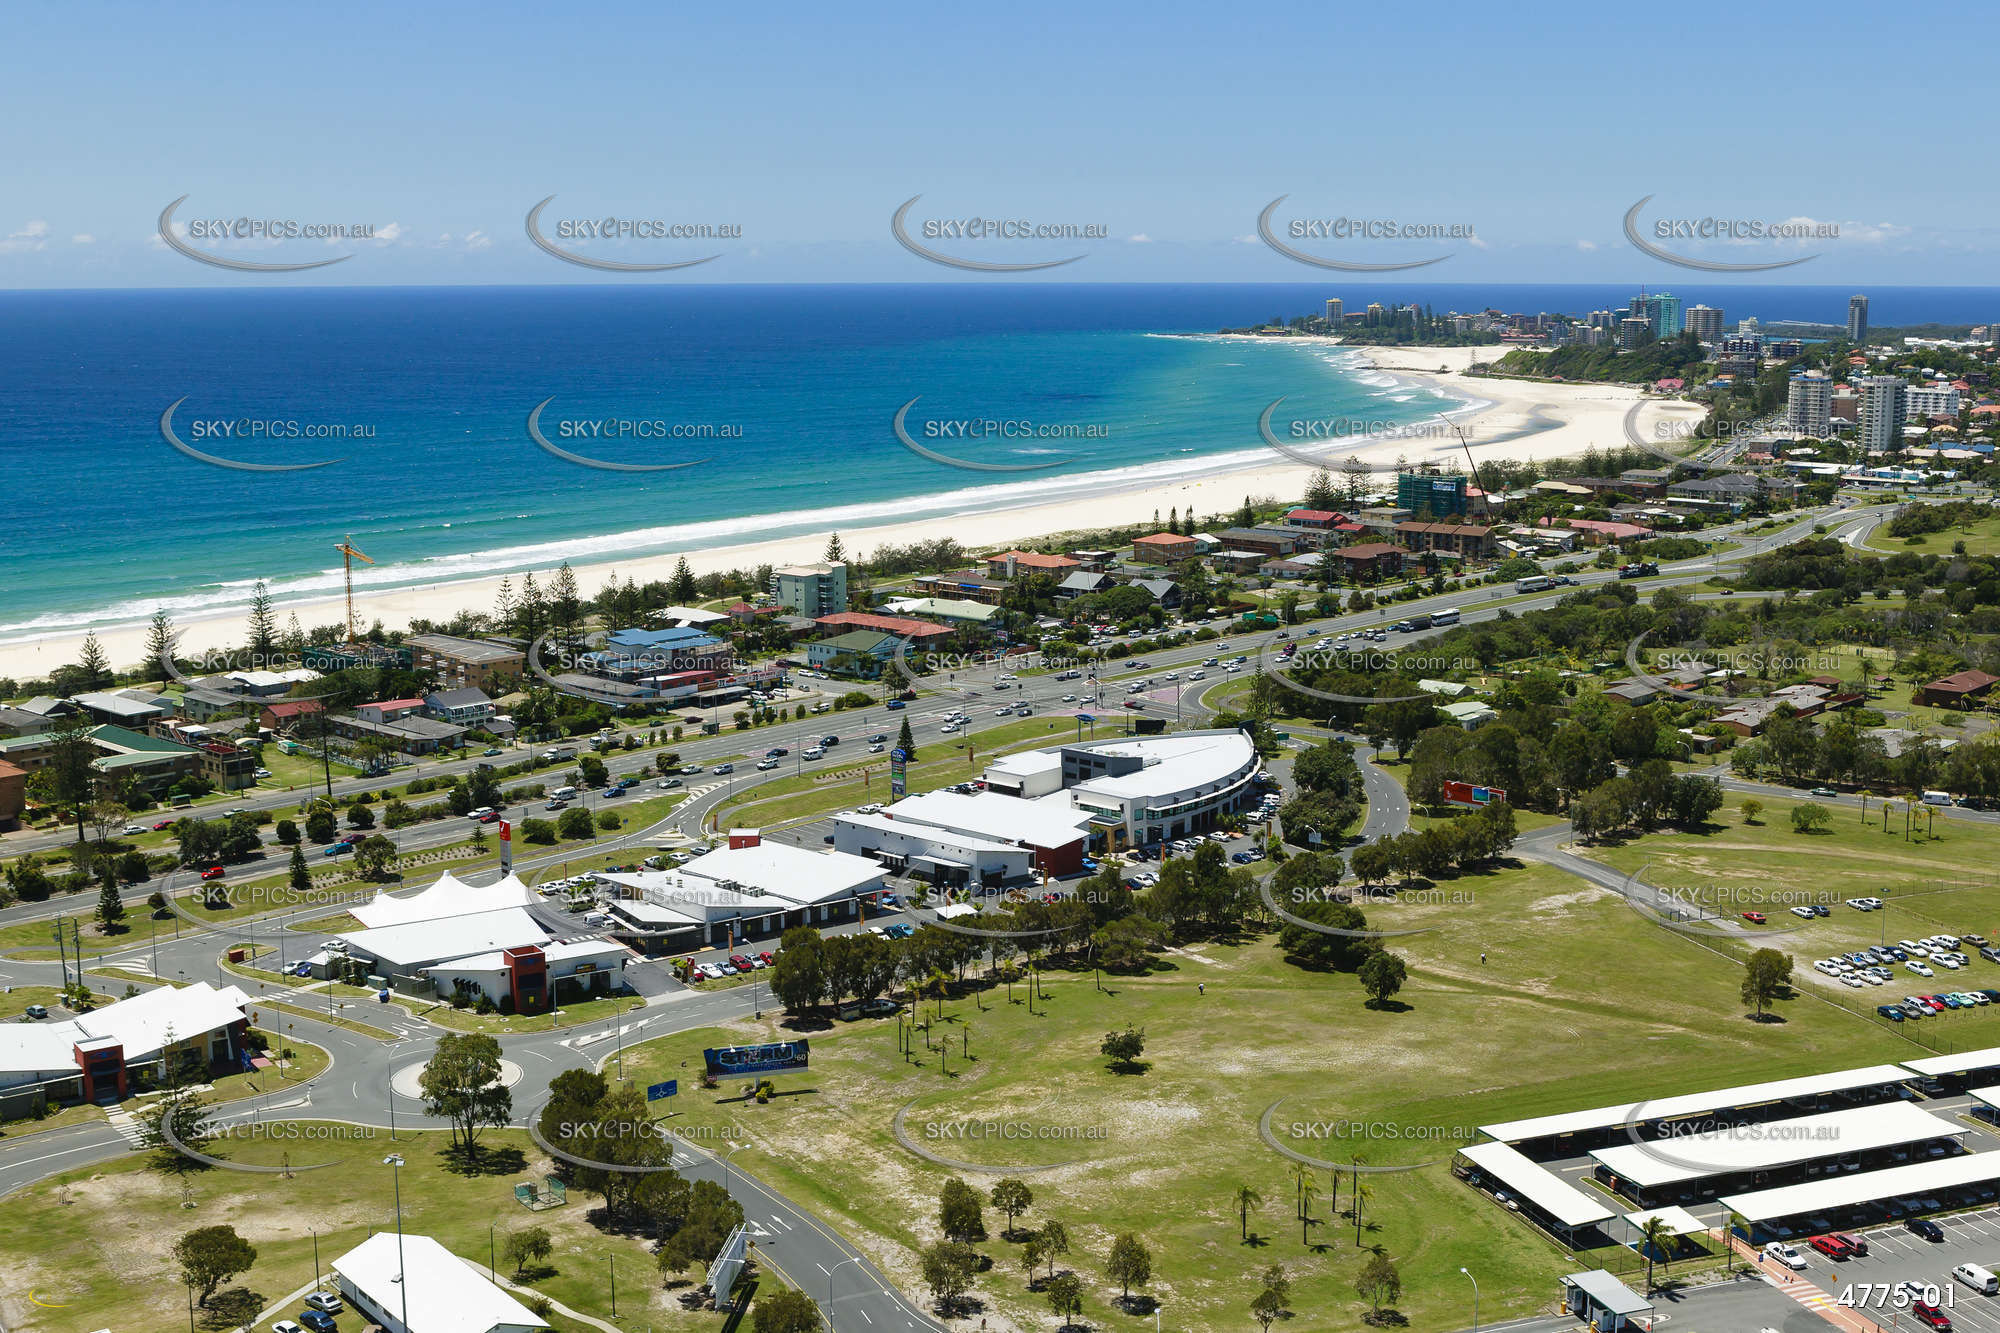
x: 1981, y: 538
x: 90, y: 1247
x: 1530, y: 1027
x: 1932, y: 880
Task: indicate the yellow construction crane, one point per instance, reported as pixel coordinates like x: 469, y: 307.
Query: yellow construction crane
x: 348, y: 555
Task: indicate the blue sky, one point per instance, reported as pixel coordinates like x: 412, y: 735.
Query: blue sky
x: 1169, y: 125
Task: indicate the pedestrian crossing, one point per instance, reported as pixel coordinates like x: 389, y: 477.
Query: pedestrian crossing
x: 127, y: 1125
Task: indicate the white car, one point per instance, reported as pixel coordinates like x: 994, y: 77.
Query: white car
x: 873, y: 749
x: 1788, y: 1255
x: 324, y: 1301
x: 1069, y: 698
x: 1914, y: 966
x: 1852, y: 981
x: 1803, y: 913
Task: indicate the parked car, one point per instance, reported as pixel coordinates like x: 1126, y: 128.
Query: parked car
x: 1787, y: 1255
x: 319, y: 1321
x: 1926, y: 1228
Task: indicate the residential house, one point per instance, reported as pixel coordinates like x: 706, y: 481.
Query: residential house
x: 467, y: 707
x: 1959, y: 690
x: 1083, y: 583
x: 860, y: 653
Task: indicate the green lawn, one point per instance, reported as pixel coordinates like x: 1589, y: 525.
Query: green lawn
x: 1532, y: 1028
x: 89, y: 1248
x: 1932, y: 884
x: 1980, y: 538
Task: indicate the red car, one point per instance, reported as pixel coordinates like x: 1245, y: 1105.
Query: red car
x: 162, y: 825
x: 490, y: 817
x: 768, y: 960
x: 1833, y: 1247
x: 1930, y: 1316
x: 740, y: 963
x: 1754, y: 918
x: 1855, y: 1245
x: 213, y: 872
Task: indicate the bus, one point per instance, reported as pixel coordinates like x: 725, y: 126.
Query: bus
x: 1536, y: 584
x: 1448, y: 616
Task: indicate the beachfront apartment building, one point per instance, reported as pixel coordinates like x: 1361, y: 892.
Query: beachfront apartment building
x: 811, y: 590
x: 1164, y: 548
x: 1016, y: 564
x: 1857, y: 318
x: 456, y: 663
x: 1809, y: 405
x: 1884, y: 409
x: 1471, y: 541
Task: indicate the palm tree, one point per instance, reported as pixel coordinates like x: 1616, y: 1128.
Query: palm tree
x: 1654, y: 1236
x: 1246, y: 1199
x: 1360, y: 1194
x: 1307, y: 1193
x: 1301, y: 1177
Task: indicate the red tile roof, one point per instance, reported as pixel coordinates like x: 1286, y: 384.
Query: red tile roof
x: 903, y: 627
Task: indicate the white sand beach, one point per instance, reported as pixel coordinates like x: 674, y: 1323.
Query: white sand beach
x: 1512, y: 419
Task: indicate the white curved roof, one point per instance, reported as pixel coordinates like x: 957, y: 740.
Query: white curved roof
x: 449, y: 897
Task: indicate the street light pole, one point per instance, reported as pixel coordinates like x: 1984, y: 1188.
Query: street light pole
x: 1475, y: 1298
x: 394, y: 1161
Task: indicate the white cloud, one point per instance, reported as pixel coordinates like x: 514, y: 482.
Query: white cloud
x: 1141, y: 239
x: 1478, y: 243
x: 83, y: 238
x: 478, y: 240
x: 1586, y: 245
x: 33, y: 236
x: 388, y: 233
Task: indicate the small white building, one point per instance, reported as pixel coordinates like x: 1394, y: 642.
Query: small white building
x: 387, y: 1275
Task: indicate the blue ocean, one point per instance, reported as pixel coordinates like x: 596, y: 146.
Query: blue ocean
x: 782, y: 398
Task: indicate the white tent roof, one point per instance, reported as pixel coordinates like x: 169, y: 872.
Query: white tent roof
x: 1819, y: 1196
x: 1695, y: 1103
x: 432, y: 940
x: 444, y: 1294
x: 1760, y: 1146
x: 1537, y: 1184
x: 449, y: 897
